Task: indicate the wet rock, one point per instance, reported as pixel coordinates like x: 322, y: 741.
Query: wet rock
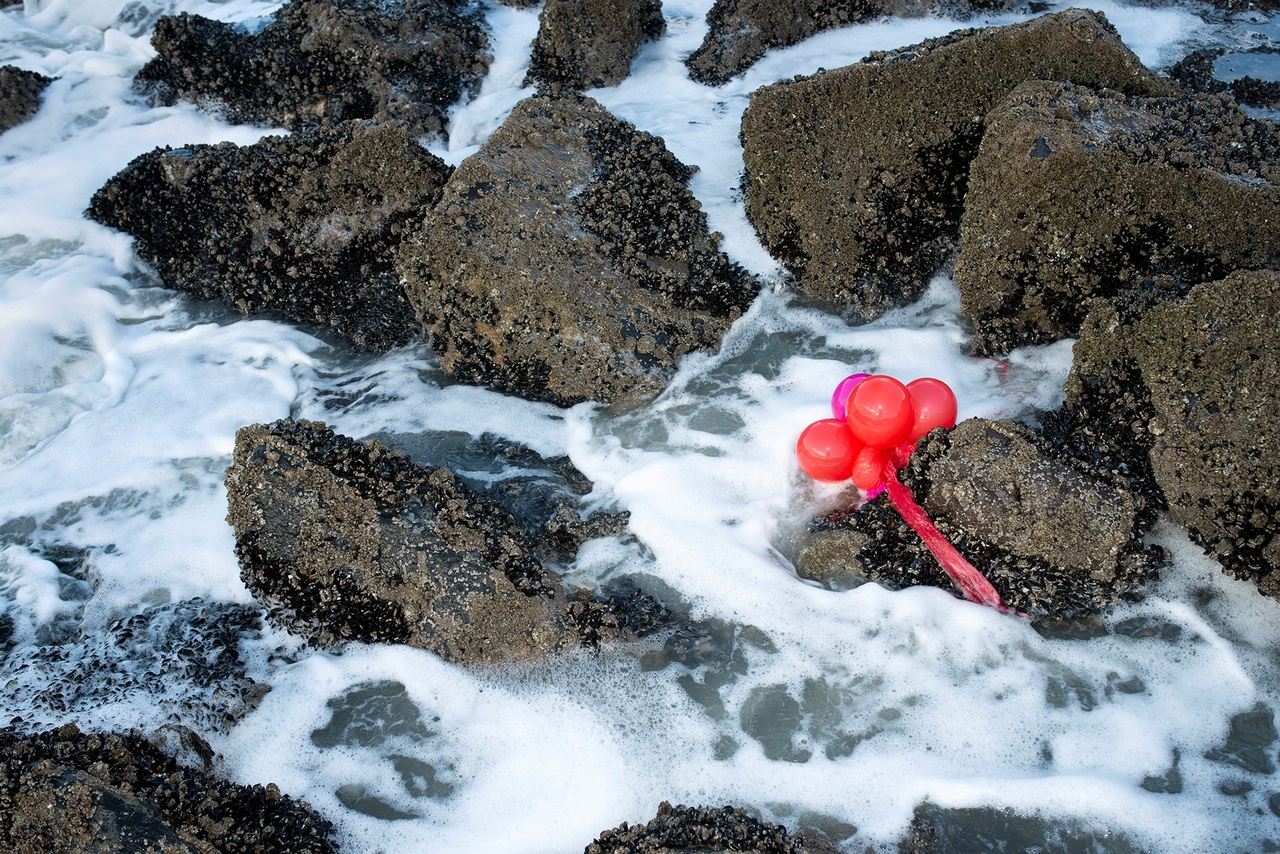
x: 1076, y: 194
x: 183, y: 657
x: 64, y: 790
x: 936, y: 829
x: 706, y: 830
x: 855, y: 177
x: 1192, y: 385
x: 302, y: 225
x: 567, y: 261
x: 1055, y: 541
x: 20, y: 92
x: 323, y: 60
x: 740, y: 31
x: 1195, y: 73
x: 351, y: 540
x: 583, y: 44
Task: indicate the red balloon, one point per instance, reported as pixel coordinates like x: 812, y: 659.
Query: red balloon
x: 868, y: 469
x: 879, y: 411
x: 934, y: 403
x: 826, y: 450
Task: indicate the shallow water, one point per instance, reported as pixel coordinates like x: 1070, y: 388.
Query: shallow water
x: 119, y: 403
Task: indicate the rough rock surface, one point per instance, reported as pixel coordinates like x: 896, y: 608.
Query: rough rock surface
x: 1076, y: 194
x: 1195, y: 73
x: 64, y: 790
x: 942, y: 830
x: 1195, y: 385
x: 356, y: 541
x: 583, y: 44
x: 567, y: 261
x: 740, y: 31
x: 324, y: 60
x: 705, y: 831
x: 1055, y: 541
x: 20, y: 92
x: 855, y: 177
x: 303, y: 225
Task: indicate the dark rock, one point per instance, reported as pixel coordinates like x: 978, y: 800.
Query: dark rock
x: 64, y: 790
x: 355, y: 541
x: 855, y: 177
x: 1193, y: 384
x: 1076, y: 194
x: 183, y: 657
x: 20, y: 92
x: 740, y: 31
x: 323, y: 60
x: 1195, y: 73
x: 1055, y: 541
x: 303, y: 225
x: 567, y: 261
x: 705, y: 830
x: 935, y: 830
x: 583, y: 44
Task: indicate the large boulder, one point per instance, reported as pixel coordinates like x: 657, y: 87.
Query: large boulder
x: 303, y: 225
x: 20, y: 92
x: 1053, y: 539
x: 567, y: 261
x: 353, y: 541
x: 1076, y: 194
x: 65, y: 790
x: 324, y: 60
x: 855, y: 177
x: 583, y: 44
x: 1193, y: 384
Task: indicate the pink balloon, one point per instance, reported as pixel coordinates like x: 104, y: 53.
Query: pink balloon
x: 840, y: 397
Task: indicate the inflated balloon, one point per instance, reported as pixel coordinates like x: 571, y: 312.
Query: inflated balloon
x: 876, y: 425
x: 826, y: 450
x: 840, y: 397
x: 934, y: 404
x: 880, y: 412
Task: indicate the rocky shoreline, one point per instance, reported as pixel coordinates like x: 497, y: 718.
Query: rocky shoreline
x: 1077, y: 193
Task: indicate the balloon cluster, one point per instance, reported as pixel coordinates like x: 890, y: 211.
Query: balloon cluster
x: 875, y: 424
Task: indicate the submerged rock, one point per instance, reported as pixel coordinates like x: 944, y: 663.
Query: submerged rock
x: 357, y: 542
x: 64, y: 790
x: 855, y: 177
x: 567, y: 261
x: 936, y: 829
x: 324, y: 60
x: 1076, y: 194
x: 303, y: 225
x: 740, y: 31
x: 1054, y: 540
x: 705, y: 830
x: 20, y: 92
x: 583, y: 44
x: 1193, y: 393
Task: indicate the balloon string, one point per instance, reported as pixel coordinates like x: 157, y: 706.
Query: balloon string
x: 972, y: 584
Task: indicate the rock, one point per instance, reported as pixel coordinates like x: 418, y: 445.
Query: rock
x: 1076, y: 194
x: 355, y: 541
x: 1196, y: 386
x: 704, y: 830
x: 567, y: 261
x: 740, y: 31
x: 936, y: 829
x: 583, y: 44
x: 20, y: 93
x: 303, y: 225
x: 1194, y: 73
x: 1055, y: 541
x: 64, y: 790
x: 855, y: 177
x: 324, y: 60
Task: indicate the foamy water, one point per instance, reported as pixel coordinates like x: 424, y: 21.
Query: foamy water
x: 118, y: 407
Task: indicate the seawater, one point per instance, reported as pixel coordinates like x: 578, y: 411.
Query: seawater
x: 119, y: 402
